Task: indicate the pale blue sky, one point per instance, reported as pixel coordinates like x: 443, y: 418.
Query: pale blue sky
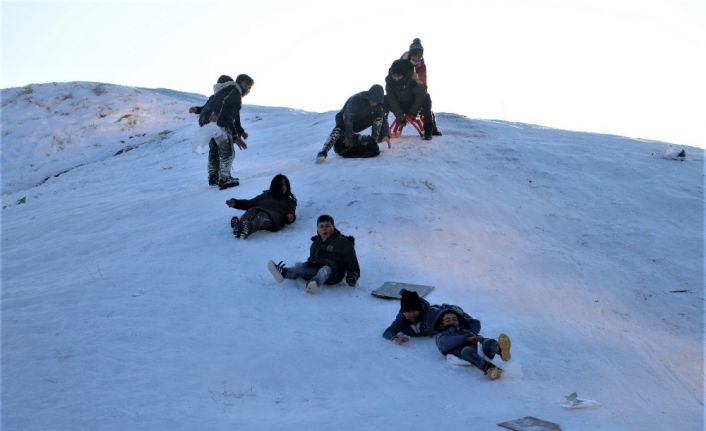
x: 627, y: 67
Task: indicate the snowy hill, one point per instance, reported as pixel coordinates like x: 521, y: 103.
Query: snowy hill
x: 128, y: 304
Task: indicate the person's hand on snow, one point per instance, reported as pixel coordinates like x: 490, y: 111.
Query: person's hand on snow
x: 244, y: 135
x: 351, y: 280
x: 192, y: 110
x: 400, y: 339
x: 232, y: 202
x: 290, y: 217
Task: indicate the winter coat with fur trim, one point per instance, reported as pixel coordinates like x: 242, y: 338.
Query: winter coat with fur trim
x: 225, y: 102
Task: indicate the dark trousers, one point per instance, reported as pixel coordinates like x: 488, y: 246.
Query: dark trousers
x: 470, y: 353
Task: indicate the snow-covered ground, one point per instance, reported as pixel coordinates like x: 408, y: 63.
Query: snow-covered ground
x: 127, y: 304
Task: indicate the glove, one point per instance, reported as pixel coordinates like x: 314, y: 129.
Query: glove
x: 244, y: 135
x: 351, y: 280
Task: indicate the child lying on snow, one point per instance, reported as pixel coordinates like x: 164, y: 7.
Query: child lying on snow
x: 456, y: 340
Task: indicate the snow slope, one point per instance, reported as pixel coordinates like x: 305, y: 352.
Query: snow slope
x: 128, y: 304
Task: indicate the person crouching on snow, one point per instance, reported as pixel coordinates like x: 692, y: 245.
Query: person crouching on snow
x: 270, y: 210
x: 331, y: 257
x: 455, y: 339
x: 361, y: 110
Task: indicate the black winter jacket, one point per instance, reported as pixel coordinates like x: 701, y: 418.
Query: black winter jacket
x: 429, y: 321
x: 357, y: 115
x: 404, y: 97
x: 338, y: 252
x: 225, y: 102
x: 277, y: 206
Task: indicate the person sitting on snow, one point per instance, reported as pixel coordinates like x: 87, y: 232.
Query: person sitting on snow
x: 416, y: 56
x: 223, y: 108
x: 331, y: 257
x: 362, y: 110
x: 270, y: 210
x: 456, y: 338
x: 417, y: 318
x: 405, y: 95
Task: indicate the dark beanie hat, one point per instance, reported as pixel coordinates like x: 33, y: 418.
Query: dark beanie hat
x: 401, y: 67
x: 224, y: 78
x: 376, y: 94
x: 410, y: 301
x: 416, y: 47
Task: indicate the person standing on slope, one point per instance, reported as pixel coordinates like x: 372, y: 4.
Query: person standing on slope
x: 223, y: 108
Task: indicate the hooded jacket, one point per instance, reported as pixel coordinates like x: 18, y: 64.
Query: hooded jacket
x: 273, y: 202
x: 338, y: 252
x: 225, y: 102
x: 405, y: 96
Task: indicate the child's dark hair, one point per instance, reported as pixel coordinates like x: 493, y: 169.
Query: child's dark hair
x: 325, y: 218
x: 276, y: 186
x: 244, y: 78
x: 444, y: 313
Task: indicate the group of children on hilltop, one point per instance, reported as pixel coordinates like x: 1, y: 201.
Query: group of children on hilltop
x: 332, y: 256
x: 405, y: 96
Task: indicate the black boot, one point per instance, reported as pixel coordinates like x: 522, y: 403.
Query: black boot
x: 228, y: 183
x: 235, y: 225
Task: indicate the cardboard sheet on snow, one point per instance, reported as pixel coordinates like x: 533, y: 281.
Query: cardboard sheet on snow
x: 530, y: 423
x: 391, y: 289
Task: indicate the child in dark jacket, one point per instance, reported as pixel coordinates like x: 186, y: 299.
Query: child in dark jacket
x: 457, y: 340
x: 331, y: 257
x: 417, y: 318
x: 415, y: 55
x: 223, y: 108
x: 361, y: 110
x: 405, y: 95
x: 270, y: 210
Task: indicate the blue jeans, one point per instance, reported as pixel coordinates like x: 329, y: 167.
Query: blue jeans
x: 470, y: 353
x: 309, y: 271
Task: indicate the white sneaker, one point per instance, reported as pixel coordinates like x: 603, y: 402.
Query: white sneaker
x: 276, y: 270
x: 312, y: 286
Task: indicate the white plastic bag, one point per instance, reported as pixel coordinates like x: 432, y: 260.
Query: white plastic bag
x: 572, y: 401
x: 204, y: 135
